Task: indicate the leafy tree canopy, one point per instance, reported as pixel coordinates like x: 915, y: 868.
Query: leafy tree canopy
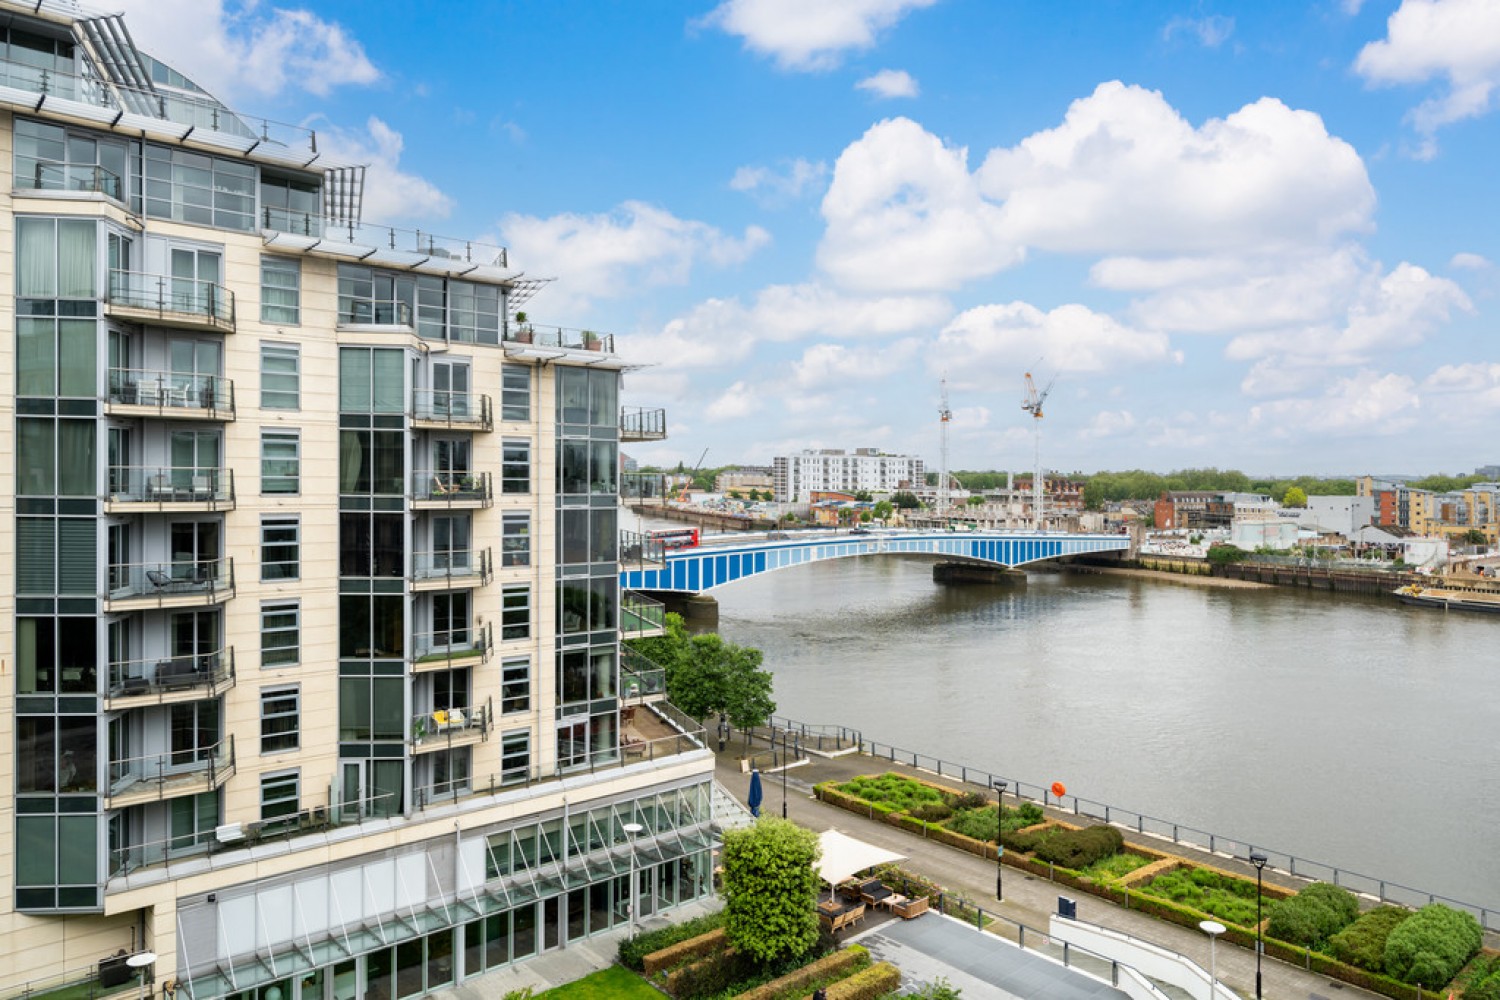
x: 906, y: 500
x: 882, y: 509
x: 771, y: 889
x: 1295, y: 496
x: 706, y: 675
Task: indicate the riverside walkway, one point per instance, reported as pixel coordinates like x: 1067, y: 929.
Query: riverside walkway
x: 1029, y: 900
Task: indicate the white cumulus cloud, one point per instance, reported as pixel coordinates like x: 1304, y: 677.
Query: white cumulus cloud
x: 1457, y: 40
x: 824, y: 365
x: 890, y: 83
x: 1469, y: 262
x: 1364, y: 404
x: 773, y: 187
x: 737, y: 402
x: 1211, y: 31
x: 808, y: 36
x: 243, y: 48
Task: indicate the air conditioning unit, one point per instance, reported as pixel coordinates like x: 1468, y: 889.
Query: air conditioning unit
x: 229, y: 833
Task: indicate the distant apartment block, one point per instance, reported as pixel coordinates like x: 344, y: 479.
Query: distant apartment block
x: 744, y: 478
x: 797, y: 476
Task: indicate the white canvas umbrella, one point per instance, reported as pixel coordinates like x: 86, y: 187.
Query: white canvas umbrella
x: 843, y: 856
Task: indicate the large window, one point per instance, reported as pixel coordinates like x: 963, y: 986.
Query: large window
x: 515, y: 467
x: 587, y: 467
x: 515, y: 392
x: 372, y: 545
x: 372, y: 708
x: 474, y: 313
x: 515, y: 539
x: 279, y: 795
x: 515, y: 613
x: 280, y: 376
x: 515, y: 685
x: 280, y: 634
x: 291, y: 204
x: 280, y: 462
x: 515, y: 755
x: 280, y: 290
x: 372, y: 380
x: 372, y: 627
x: 378, y: 297
x: 56, y: 259
x: 50, y: 158
x: 280, y: 548
x: 185, y: 186
x: 280, y: 719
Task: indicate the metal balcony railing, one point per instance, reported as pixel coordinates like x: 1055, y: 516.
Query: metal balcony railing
x: 452, y: 644
x: 643, y: 486
x: 640, y: 677
x: 161, y: 675
x: 210, y: 578
x: 414, y: 241
x: 374, y: 312
x: 165, y: 390
x: 640, y: 614
x: 453, y: 487
x: 557, y: 336
x: 173, y: 484
x: 178, y: 772
x: 457, y: 409
x: 637, y: 423
x: 169, y: 296
x: 439, y: 725
x: 638, y: 548
x: 51, y: 175
x: 452, y: 564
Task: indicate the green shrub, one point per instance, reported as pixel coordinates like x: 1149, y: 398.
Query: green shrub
x: 1314, y: 915
x: 968, y: 800
x: 867, y: 984
x: 633, y: 952
x: 799, y: 982
x: 1483, y: 980
x: 932, y: 812
x: 1115, y: 867
x: 1080, y: 848
x: 1230, y: 899
x: 895, y: 791
x: 1362, y: 943
x: 1432, y: 945
x: 677, y: 954
x: 1218, y: 554
x: 980, y: 823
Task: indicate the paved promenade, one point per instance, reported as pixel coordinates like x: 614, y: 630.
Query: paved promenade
x: 1028, y: 899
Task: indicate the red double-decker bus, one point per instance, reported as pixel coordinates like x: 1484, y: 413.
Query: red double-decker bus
x: 675, y: 538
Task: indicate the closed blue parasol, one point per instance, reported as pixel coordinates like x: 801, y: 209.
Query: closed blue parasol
x: 755, y: 793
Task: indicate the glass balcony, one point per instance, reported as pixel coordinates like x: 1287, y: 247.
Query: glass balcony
x: 641, y: 616
x: 131, y: 488
x: 141, y: 586
x: 165, y: 300
x: 640, y: 678
x: 191, y: 771
x: 520, y: 336
x: 436, y: 409
x: 407, y: 241
x: 450, y: 569
x: 450, y: 489
x: 650, y: 486
x: 449, y: 727
x: 639, y: 549
x: 51, y: 175
x: 142, y: 392
x: 640, y: 424
x: 157, y: 680
x: 454, y: 647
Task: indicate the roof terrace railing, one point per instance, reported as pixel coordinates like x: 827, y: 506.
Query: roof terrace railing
x: 330, y: 228
x: 51, y: 175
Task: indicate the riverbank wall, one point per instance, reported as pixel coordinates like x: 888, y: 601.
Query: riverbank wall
x: 1308, y: 577
x: 704, y: 518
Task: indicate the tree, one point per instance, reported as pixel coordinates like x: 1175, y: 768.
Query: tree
x: 863, y: 496
x: 1474, y: 537
x: 734, y: 495
x: 771, y: 889
x: 706, y: 675
x: 906, y: 500
x: 975, y: 501
x: 882, y: 510
x: 865, y: 517
x: 1295, y: 497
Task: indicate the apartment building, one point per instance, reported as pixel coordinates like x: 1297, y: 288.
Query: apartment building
x: 870, y: 470
x: 310, y: 677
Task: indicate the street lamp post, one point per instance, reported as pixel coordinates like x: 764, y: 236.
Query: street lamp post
x: 1000, y: 787
x: 786, y: 762
x: 1213, y: 929
x: 632, y: 830
x: 1259, y: 861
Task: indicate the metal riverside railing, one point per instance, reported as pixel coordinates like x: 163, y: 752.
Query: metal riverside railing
x: 1384, y: 890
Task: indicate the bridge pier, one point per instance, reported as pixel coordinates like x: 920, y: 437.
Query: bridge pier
x: 962, y: 572
x: 700, y: 612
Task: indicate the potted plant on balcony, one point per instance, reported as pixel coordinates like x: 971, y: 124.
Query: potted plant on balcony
x: 592, y: 341
x: 523, y: 329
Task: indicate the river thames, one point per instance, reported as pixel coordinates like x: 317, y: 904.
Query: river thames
x: 1347, y: 730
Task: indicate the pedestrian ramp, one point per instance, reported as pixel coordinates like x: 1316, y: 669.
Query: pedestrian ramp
x: 726, y: 811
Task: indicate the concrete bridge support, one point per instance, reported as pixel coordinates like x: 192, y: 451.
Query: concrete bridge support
x: 700, y: 612
x: 955, y: 573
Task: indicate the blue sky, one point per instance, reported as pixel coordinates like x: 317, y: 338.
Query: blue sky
x: 1259, y: 236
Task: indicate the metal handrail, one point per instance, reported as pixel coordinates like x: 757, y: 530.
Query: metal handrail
x: 376, y: 312
x: 639, y: 613
x: 170, y: 579
x: 352, y: 231
x: 454, y: 408
x: 170, y: 390
x: 561, y: 337
x: 158, y: 769
x: 165, y: 293
x: 429, y: 485
x: 639, y: 675
x: 451, y: 564
x: 459, y: 644
x: 55, y: 175
x: 169, y: 484
x: 636, y: 547
x: 643, y: 422
x: 440, y: 723
x: 160, y: 674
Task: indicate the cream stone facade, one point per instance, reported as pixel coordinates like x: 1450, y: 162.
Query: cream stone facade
x: 310, y: 672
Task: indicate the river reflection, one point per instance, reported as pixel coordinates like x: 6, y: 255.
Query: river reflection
x: 1342, y: 729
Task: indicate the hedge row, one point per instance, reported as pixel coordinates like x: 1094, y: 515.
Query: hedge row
x: 797, y: 983
x: 634, y: 950
x: 708, y: 976
x: 685, y: 951
x: 867, y: 984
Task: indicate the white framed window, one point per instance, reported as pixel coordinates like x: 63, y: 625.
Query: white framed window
x: 280, y: 548
x: 280, y: 462
x: 515, y: 612
x: 515, y: 685
x: 515, y: 467
x: 515, y: 392
x: 515, y: 539
x: 280, y: 719
x: 280, y: 794
x: 280, y: 290
x: 280, y: 376
x: 280, y: 633
x: 515, y: 755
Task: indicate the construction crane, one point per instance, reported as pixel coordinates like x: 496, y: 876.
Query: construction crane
x: 1032, y: 404
x: 945, y: 416
x: 682, y: 495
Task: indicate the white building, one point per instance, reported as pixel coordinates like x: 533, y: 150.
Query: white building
x: 1336, y: 515
x: 798, y: 476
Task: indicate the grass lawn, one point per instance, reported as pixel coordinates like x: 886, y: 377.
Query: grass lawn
x: 614, y: 981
